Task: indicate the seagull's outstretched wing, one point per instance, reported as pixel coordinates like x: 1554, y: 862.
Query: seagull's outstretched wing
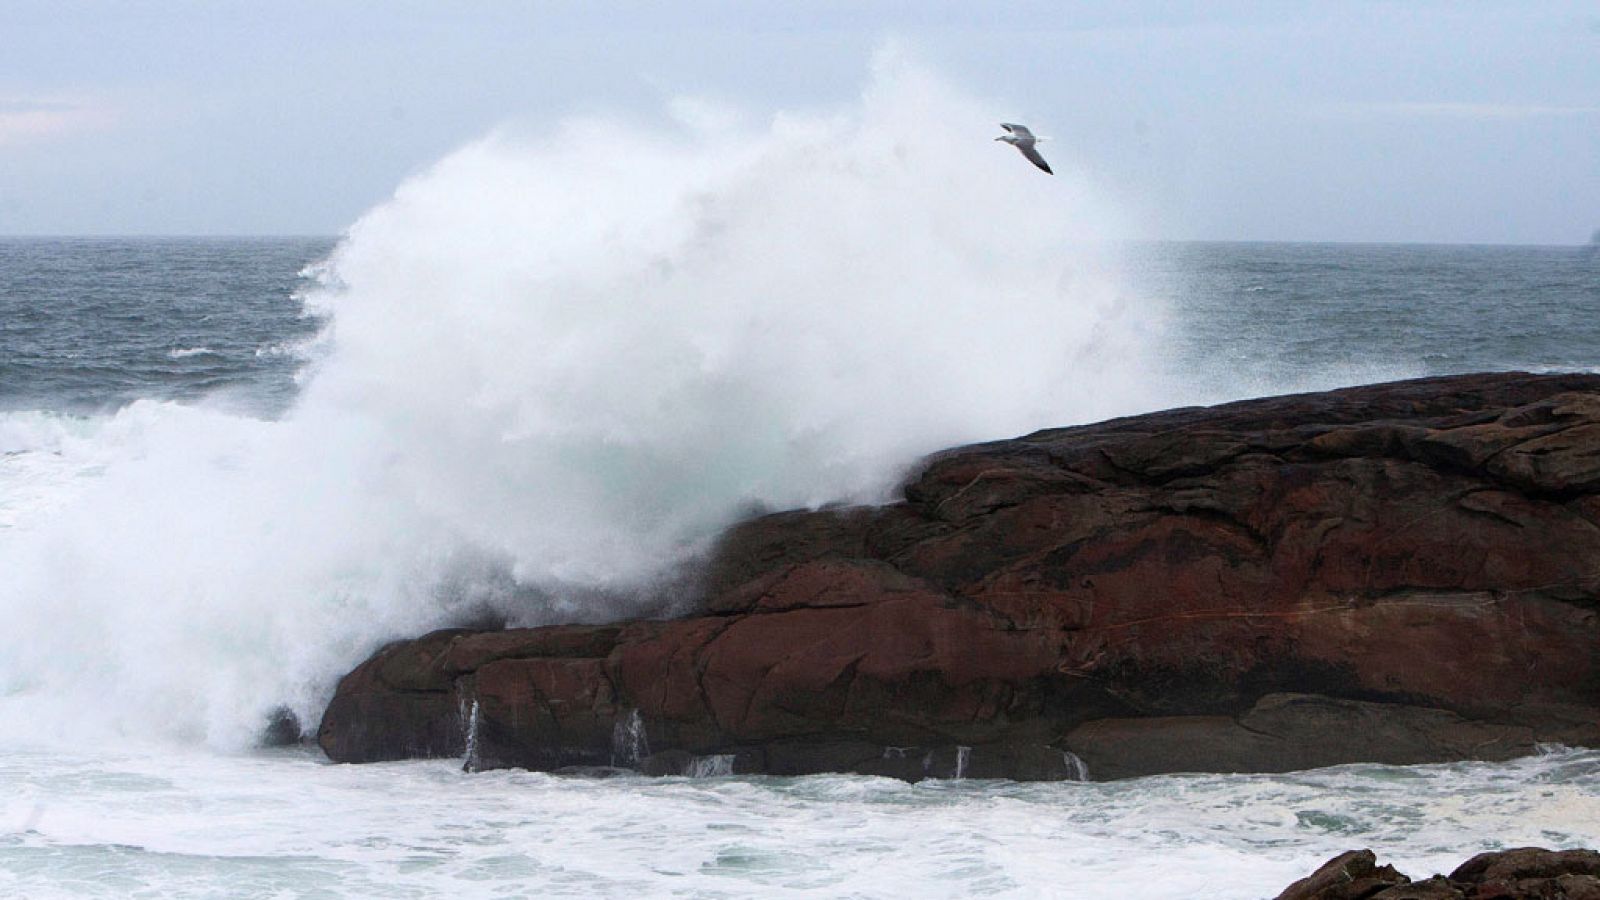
x: 1020, y: 131
x: 1033, y: 156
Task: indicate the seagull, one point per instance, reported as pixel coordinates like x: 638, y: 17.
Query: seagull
x: 1021, y: 138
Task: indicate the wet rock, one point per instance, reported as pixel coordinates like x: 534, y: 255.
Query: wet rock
x: 1287, y: 732
x: 1395, y: 573
x: 688, y: 765
x: 396, y: 705
x: 1436, y: 888
x: 1023, y: 762
x: 593, y: 771
x: 282, y: 728
x: 1526, y: 873
x: 1531, y: 872
x: 1355, y: 875
x: 667, y: 762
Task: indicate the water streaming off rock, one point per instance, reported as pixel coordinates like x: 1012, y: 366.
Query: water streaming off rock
x: 629, y: 743
x: 714, y: 766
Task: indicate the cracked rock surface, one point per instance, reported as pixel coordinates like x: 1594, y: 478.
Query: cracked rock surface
x: 1397, y: 573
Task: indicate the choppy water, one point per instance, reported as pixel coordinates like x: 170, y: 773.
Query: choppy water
x: 139, y: 823
x: 94, y: 323
x: 1256, y: 319
x: 546, y: 372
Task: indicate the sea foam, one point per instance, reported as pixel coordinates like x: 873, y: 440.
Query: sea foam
x: 555, y: 365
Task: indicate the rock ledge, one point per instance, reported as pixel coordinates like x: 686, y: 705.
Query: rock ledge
x: 1397, y: 573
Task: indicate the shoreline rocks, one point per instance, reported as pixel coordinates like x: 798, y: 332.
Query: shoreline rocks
x: 1525, y: 873
x: 1398, y: 573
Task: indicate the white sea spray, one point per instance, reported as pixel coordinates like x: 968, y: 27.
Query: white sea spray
x: 554, y: 365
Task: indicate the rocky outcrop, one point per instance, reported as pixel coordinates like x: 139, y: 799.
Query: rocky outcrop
x: 1398, y: 573
x: 1526, y: 873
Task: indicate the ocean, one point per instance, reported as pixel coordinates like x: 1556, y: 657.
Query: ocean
x: 214, y: 500
x: 531, y: 387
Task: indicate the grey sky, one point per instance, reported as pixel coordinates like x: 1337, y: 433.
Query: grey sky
x: 1282, y: 121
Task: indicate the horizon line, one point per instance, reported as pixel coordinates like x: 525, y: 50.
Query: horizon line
x: 1354, y: 242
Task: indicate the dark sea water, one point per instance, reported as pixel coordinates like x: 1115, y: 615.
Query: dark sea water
x: 195, y: 529
x: 93, y: 323
x: 88, y: 324
x: 1256, y: 318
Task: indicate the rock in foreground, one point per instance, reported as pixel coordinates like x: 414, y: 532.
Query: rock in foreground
x: 1526, y: 873
x: 1398, y: 573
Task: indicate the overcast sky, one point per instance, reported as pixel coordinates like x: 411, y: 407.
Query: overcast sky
x: 1456, y: 122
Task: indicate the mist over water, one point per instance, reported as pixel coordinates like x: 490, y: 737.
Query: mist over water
x: 595, y: 347
x: 553, y: 367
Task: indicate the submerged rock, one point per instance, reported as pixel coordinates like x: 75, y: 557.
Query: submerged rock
x: 1526, y: 873
x: 1397, y: 573
x: 282, y: 729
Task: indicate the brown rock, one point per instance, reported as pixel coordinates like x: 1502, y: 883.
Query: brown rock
x: 1436, y: 888
x: 1286, y: 732
x: 1395, y: 573
x: 1531, y: 872
x: 1349, y: 876
x: 1527, y: 873
x: 396, y: 705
